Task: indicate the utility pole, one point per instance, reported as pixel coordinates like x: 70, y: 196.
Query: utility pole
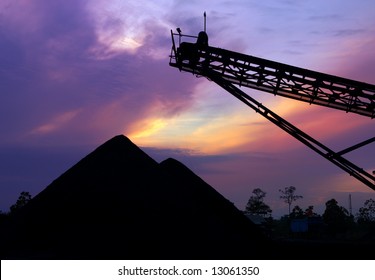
x: 204, y: 25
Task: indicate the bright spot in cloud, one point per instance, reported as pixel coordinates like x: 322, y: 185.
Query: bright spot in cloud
x: 127, y: 43
x: 125, y: 25
x: 148, y: 128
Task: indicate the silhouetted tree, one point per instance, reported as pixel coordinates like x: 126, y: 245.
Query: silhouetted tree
x: 309, y: 212
x: 336, y: 217
x: 22, y: 200
x: 366, y: 214
x: 288, y: 195
x: 296, y: 213
x: 3, y: 217
x: 256, y: 205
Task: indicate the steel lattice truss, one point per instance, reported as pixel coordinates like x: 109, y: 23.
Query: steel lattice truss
x: 227, y: 69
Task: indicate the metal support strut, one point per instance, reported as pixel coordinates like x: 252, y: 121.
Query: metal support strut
x: 336, y: 158
x: 231, y: 69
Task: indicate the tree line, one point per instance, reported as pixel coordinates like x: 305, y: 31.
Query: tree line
x: 335, y: 218
x: 22, y: 200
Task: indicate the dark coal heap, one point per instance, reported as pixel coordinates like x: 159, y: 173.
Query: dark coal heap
x: 118, y: 203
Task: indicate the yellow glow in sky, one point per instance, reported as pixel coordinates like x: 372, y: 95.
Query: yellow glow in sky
x: 147, y: 129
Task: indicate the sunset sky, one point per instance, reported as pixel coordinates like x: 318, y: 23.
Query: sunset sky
x: 74, y: 74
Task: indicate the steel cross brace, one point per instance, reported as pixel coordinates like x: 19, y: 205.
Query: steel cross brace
x: 335, y: 158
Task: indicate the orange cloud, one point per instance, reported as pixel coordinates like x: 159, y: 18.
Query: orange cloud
x: 342, y: 182
x: 55, y: 123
